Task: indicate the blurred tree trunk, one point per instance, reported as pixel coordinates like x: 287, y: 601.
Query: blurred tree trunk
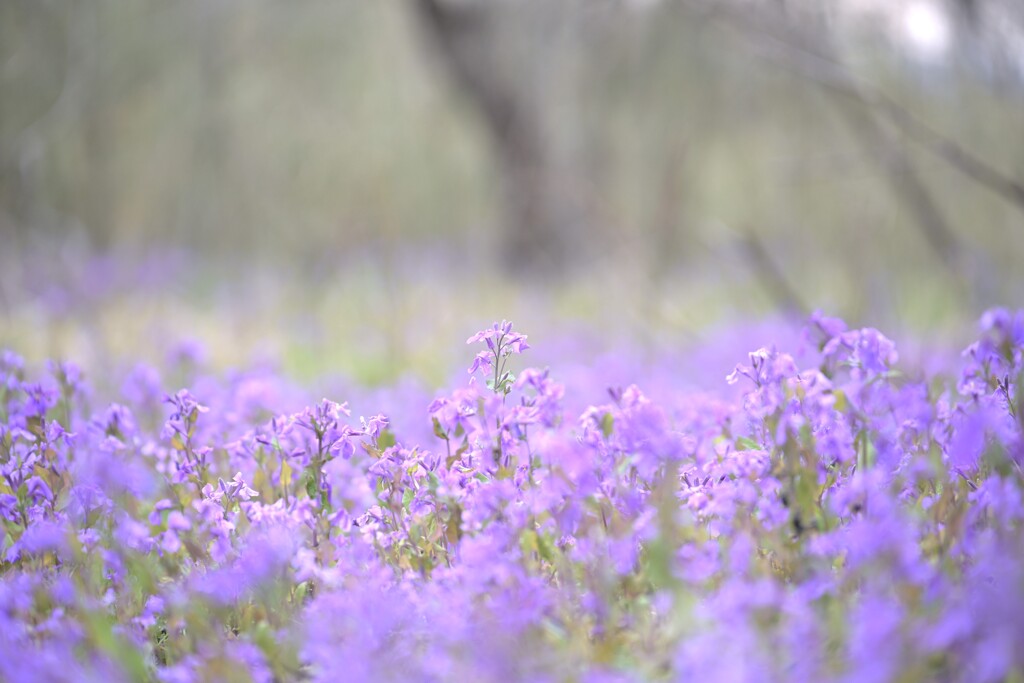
x: 502, y: 56
x: 92, y: 195
x: 207, y: 210
x: 15, y: 196
x: 18, y: 184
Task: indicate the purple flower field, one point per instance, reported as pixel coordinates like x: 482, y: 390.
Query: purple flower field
x: 826, y: 512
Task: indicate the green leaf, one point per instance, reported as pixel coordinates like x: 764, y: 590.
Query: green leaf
x: 528, y: 543
x: 386, y: 439
x: 286, y: 474
x: 407, y: 497
x: 101, y: 633
x: 747, y: 444
x: 841, y: 401
x: 1018, y: 399
x: 866, y: 451
x: 310, y: 478
x: 607, y: 424
x: 544, y: 548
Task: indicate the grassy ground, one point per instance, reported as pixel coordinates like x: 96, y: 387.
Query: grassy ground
x: 376, y: 325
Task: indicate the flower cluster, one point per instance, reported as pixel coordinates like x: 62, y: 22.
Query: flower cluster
x: 835, y: 520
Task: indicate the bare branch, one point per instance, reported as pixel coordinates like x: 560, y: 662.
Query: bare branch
x: 907, y: 183
x: 815, y: 63
x: 769, y: 272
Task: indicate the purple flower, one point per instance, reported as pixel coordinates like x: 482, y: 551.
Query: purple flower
x: 40, y: 537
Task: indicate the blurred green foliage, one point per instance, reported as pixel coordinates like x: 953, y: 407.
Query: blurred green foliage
x: 324, y: 132
x: 214, y: 123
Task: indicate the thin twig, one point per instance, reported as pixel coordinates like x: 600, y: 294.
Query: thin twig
x: 815, y: 63
x: 788, y: 298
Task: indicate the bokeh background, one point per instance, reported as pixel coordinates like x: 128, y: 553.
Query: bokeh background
x: 354, y: 186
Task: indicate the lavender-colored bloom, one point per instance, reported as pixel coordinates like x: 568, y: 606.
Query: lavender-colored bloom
x: 142, y: 386
x: 834, y: 517
x: 41, y: 537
